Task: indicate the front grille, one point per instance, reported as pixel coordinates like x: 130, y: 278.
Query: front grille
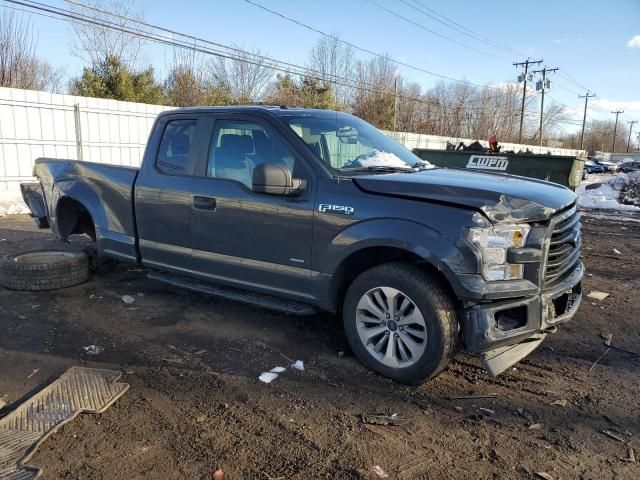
x: 564, y: 246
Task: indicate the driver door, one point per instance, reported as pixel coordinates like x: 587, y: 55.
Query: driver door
x: 242, y: 238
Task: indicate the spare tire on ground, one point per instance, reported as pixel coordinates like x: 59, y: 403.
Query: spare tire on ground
x: 43, y: 270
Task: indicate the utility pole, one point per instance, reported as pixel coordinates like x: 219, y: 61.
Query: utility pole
x: 524, y: 77
x: 615, y: 130
x: 584, y: 118
x: 395, y: 104
x: 631, y: 124
x: 543, y: 85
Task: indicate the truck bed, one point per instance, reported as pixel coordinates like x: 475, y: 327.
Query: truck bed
x: 105, y: 191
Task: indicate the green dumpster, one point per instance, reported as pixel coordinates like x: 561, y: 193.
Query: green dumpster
x: 565, y: 170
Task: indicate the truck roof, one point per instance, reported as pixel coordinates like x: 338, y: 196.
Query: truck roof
x: 280, y: 111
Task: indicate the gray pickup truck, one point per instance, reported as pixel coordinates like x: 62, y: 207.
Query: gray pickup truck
x: 303, y: 210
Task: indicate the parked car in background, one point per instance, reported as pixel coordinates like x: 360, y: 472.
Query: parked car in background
x: 628, y: 167
x: 610, y: 167
x: 591, y: 166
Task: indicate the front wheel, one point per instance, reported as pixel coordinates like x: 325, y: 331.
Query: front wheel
x: 400, y: 322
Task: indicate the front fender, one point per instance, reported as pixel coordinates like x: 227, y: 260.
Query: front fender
x: 451, y: 257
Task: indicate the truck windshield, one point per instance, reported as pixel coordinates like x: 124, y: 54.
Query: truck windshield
x: 349, y: 144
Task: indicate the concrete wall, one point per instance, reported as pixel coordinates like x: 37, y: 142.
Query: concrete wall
x: 40, y: 124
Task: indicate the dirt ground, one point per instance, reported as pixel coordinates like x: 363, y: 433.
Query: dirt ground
x: 195, y: 402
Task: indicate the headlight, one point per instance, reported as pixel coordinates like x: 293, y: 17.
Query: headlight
x: 493, y: 243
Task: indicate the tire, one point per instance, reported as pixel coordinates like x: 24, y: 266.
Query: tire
x: 39, y: 270
x: 422, y: 350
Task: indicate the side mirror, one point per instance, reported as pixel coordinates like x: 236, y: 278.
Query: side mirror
x: 275, y: 179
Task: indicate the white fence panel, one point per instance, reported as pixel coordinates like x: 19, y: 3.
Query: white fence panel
x: 36, y: 124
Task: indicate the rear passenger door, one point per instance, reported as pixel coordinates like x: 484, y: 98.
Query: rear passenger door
x: 163, y: 191
x: 255, y: 241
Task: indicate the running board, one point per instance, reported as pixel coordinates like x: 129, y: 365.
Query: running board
x: 269, y: 302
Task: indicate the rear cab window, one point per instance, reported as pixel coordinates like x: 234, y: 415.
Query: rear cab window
x: 175, y: 145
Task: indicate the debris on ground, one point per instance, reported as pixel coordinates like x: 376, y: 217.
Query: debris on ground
x: 218, y: 474
x: 93, y: 349
x: 631, y: 456
x: 611, y: 435
x: 200, y: 352
x: 597, y: 295
x: 600, y: 357
x: 617, y: 252
x: 544, y: 476
x: 35, y: 370
x: 535, y: 426
x: 473, y: 397
x: 267, y: 377
x: 379, y: 471
x: 298, y: 365
x: 488, y: 411
x: 286, y: 358
x: 128, y: 299
x: 561, y: 403
x: 277, y: 369
x: 382, y: 419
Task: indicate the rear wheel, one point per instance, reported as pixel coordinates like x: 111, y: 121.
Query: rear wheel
x: 400, y: 322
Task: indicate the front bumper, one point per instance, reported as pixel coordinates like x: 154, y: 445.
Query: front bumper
x: 504, y: 332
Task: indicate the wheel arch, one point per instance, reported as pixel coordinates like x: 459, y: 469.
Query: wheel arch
x: 73, y: 217
x: 370, y: 256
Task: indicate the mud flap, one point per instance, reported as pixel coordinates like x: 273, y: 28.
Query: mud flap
x: 499, y: 359
x: 33, y: 197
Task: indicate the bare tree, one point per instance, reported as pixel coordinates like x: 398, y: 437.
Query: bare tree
x: 334, y: 61
x: 93, y: 43
x: 19, y: 65
x: 553, y: 114
x: 374, y: 99
x: 187, y: 84
x: 247, y: 76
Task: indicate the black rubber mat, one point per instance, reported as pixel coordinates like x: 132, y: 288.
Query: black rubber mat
x: 77, y: 390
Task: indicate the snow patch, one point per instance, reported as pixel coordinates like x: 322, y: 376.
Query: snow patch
x: 607, y: 195
x: 11, y: 204
x: 383, y: 159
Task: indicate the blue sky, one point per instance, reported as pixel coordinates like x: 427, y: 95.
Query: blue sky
x: 590, y: 40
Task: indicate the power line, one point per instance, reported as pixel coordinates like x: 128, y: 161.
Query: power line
x: 362, y: 49
x: 71, y: 16
x: 433, y: 32
x: 570, y: 79
x: 455, y: 26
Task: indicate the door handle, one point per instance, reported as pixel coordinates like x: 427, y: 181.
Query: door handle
x: 204, y: 203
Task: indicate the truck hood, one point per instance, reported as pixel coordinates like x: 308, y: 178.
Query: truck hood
x: 502, y: 198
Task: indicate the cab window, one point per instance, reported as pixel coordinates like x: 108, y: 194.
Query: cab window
x: 173, y: 154
x: 237, y: 147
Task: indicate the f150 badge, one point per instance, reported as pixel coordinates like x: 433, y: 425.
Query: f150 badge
x: 328, y: 207
x: 485, y: 162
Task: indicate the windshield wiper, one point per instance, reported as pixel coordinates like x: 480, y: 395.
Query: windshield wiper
x: 378, y: 168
